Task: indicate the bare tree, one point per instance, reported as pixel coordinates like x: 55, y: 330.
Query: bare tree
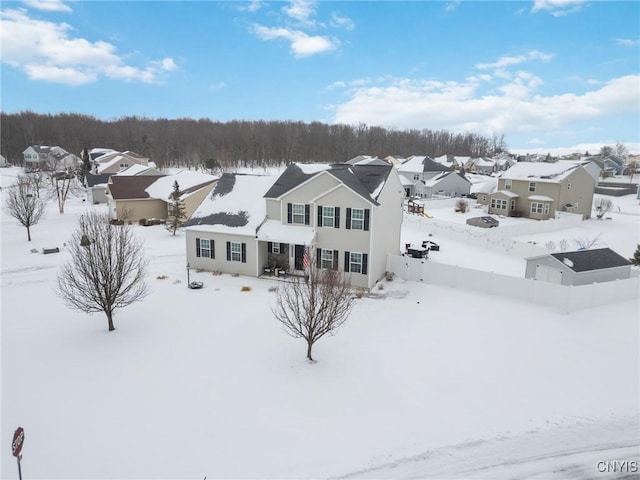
x: 621, y: 150
x: 23, y: 204
x: 603, y: 206
x: 63, y: 175
x: 315, y: 306
x: 586, y: 243
x: 106, y: 270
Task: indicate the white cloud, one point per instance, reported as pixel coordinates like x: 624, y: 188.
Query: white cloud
x: 459, y: 107
x: 302, y: 45
x: 48, y: 5
x: 627, y: 42
x: 558, y: 8
x: 217, y: 86
x: 451, y: 6
x: 301, y: 11
x: 252, y: 6
x: 508, y: 61
x: 46, y: 51
x: 338, y: 21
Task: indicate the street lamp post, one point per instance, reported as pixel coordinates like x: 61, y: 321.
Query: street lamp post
x: 188, y: 279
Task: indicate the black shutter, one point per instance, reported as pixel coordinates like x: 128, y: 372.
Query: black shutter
x: 366, y: 219
x: 197, y: 247
x: 244, y: 253
x: 365, y: 258
x: 319, y: 215
x: 307, y: 214
x: 347, y: 257
x: 288, y: 213
x: 335, y: 259
x: 212, y: 244
x: 269, y: 247
x: 228, y: 251
x: 319, y: 258
x: 337, y: 218
x: 347, y: 224
x: 284, y: 248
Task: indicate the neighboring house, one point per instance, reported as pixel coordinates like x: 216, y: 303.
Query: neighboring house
x: 97, y: 184
x: 3, y: 162
x: 132, y: 197
x: 483, y: 166
x: 395, y: 160
x: 416, y: 171
x: 447, y: 184
x: 611, y: 165
x: 537, y: 190
x: 50, y: 158
x: 582, y: 267
x: 114, y: 162
x: 592, y: 167
x: 504, y: 162
x: 343, y: 216
x: 94, y: 153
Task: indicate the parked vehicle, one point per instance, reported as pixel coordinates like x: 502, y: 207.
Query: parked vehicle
x: 431, y: 245
x: 484, y: 222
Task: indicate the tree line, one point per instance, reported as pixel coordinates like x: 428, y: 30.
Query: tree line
x: 185, y: 141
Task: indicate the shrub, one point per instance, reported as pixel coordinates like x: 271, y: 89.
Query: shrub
x: 462, y: 205
x: 143, y: 222
x: 216, y: 272
x: 273, y: 289
x: 115, y: 221
x: 389, y: 276
x: 245, y: 288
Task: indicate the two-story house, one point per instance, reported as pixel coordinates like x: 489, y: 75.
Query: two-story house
x: 537, y: 190
x: 346, y: 217
x: 55, y: 159
x: 416, y: 171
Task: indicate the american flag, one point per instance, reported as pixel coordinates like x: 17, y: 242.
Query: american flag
x: 305, y: 258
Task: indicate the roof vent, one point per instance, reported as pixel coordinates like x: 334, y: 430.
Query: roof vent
x: 567, y: 262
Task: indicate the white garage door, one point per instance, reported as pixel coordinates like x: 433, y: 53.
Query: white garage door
x: 548, y: 274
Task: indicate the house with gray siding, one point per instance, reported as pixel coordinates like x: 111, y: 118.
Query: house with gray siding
x: 582, y: 267
x: 344, y: 217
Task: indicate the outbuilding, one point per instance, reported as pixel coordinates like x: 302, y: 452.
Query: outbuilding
x: 581, y: 267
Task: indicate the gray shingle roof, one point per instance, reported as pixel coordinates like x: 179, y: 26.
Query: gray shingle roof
x: 597, y: 259
x: 362, y: 179
x: 130, y: 187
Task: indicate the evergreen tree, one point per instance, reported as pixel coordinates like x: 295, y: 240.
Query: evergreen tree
x: 636, y: 256
x: 177, y: 212
x: 86, y: 164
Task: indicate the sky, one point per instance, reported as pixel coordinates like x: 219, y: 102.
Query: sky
x: 549, y: 75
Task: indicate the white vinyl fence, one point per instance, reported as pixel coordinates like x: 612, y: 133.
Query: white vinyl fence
x: 495, y: 239
x: 566, y: 298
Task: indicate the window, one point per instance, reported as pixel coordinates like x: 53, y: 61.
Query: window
x: 507, y: 184
x: 532, y: 186
x: 513, y: 204
x: 498, y: 204
x: 540, y: 208
x: 484, y: 198
x: 236, y: 252
x: 357, y: 218
x: 123, y: 166
x: 326, y: 259
x: 205, y: 248
x: 275, y: 248
x: 297, y: 213
x: 569, y: 186
x: 355, y: 262
x: 328, y: 216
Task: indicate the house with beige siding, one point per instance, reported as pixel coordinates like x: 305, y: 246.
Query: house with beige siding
x: 132, y: 197
x: 538, y: 190
x: 115, y: 162
x: 344, y: 217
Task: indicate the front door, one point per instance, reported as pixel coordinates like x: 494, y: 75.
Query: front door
x: 299, y: 253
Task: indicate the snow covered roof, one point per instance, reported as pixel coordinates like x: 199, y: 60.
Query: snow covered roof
x: 189, y: 181
x: 589, y: 260
x: 508, y: 193
x: 482, y: 183
x: 365, y: 180
x: 236, y: 205
x: 134, y: 170
x: 420, y: 164
x: 540, y: 171
x: 541, y: 198
x: 276, y: 231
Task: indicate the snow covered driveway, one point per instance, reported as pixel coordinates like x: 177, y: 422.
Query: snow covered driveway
x: 585, y: 451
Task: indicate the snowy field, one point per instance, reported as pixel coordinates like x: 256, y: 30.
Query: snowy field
x: 196, y: 383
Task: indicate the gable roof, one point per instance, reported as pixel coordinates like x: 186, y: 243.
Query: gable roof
x: 236, y: 205
x: 587, y: 260
x: 93, y: 180
x: 441, y: 176
x: 365, y: 180
x: 188, y: 181
x: 418, y: 164
x: 130, y: 187
x: 540, y: 171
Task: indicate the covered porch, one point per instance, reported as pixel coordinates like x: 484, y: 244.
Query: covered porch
x: 282, y: 248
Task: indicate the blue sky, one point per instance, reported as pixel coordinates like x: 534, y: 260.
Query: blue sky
x: 546, y: 74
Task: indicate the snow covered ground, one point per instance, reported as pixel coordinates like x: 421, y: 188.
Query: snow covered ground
x: 196, y: 383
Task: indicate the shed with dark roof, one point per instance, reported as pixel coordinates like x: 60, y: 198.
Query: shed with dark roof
x: 581, y: 267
